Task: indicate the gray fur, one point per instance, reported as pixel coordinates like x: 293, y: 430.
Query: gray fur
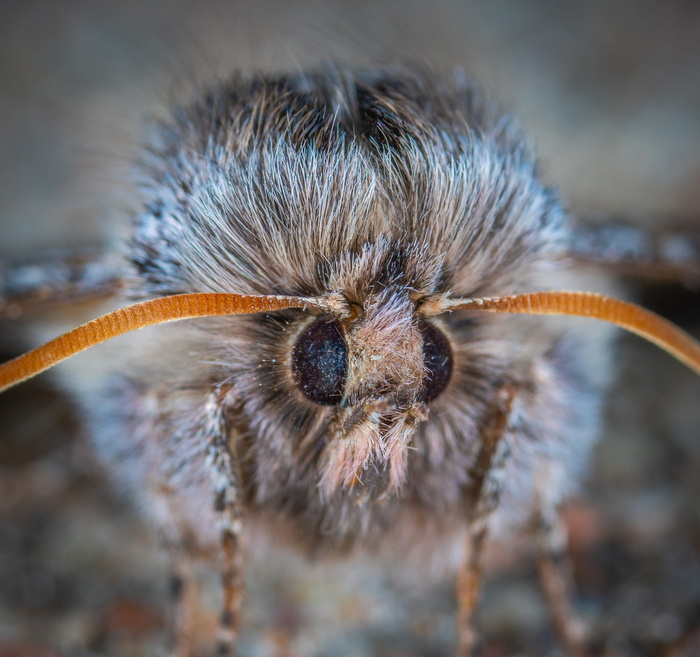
x: 385, y: 187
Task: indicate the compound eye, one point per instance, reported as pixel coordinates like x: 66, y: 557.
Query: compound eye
x: 438, y: 361
x: 320, y: 362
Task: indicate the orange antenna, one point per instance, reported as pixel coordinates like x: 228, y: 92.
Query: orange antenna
x: 140, y: 315
x: 585, y: 304
x: 188, y: 306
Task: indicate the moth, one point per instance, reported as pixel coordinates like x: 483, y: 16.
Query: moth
x: 352, y: 396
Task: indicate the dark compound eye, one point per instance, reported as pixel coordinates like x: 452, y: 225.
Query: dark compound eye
x: 438, y: 361
x: 320, y: 362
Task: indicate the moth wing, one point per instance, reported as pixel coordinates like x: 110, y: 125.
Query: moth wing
x: 48, y: 279
x: 658, y: 251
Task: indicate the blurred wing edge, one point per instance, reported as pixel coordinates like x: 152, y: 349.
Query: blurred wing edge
x: 57, y: 277
x: 663, y: 251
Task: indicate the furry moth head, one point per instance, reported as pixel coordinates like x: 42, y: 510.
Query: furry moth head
x: 385, y: 188
x: 356, y: 204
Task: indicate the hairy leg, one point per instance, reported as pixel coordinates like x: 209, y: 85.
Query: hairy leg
x: 225, y: 476
x: 486, y: 488
x: 555, y: 571
x: 183, y: 591
x: 198, y: 422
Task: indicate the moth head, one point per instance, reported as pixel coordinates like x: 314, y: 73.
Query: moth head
x: 374, y: 187
x: 378, y: 368
x: 378, y: 364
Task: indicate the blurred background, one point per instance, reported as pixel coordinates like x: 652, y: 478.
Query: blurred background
x: 609, y: 92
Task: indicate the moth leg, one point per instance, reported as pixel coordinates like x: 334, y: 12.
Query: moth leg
x: 182, y: 585
x: 556, y: 575
x: 176, y: 443
x: 487, y: 482
x: 225, y: 477
x: 183, y: 592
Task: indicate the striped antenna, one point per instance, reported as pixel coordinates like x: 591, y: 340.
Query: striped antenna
x: 636, y: 319
x: 188, y: 306
x: 140, y: 315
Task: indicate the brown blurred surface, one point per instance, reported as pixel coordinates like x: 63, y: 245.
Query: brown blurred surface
x: 610, y: 93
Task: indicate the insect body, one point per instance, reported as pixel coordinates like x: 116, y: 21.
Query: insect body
x: 368, y: 416
x: 386, y: 190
